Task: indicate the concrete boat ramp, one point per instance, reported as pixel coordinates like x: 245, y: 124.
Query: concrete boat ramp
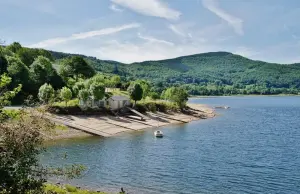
x: 111, y: 125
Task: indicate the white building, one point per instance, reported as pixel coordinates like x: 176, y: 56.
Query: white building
x: 118, y: 102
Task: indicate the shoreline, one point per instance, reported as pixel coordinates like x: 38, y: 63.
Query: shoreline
x: 81, y: 126
x: 246, y: 95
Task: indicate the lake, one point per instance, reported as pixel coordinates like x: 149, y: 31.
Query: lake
x: 253, y: 147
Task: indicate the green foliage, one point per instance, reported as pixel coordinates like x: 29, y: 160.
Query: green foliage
x: 135, y: 92
x: 21, y: 143
x: 66, y: 94
x: 145, y: 86
x: 42, y: 72
x: 76, y: 67
x: 71, y: 103
x: 46, y: 93
x: 177, y: 95
x: 18, y: 71
x: 83, y: 95
x: 77, y: 87
x: 3, y: 64
x: 27, y: 55
x: 10, y: 114
x: 115, y: 81
x: 70, y: 188
x: 97, y: 91
x: 156, y: 105
x: 209, y: 73
x: 14, y: 47
x: 154, y: 95
x: 5, y: 94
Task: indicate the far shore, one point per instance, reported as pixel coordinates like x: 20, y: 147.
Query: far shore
x: 81, y: 126
x: 244, y: 95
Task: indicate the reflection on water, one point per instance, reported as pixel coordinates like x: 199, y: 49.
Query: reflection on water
x: 253, y: 147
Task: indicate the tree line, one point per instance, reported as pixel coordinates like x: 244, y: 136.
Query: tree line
x: 45, y: 79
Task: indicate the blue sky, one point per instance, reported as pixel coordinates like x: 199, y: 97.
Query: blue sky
x: 138, y: 30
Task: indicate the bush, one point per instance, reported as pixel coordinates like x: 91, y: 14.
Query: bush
x: 10, y: 114
x: 156, y: 105
x: 70, y: 188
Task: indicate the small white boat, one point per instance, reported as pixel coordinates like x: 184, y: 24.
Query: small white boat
x: 158, y: 133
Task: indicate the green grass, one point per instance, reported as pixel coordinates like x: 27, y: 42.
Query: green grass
x: 120, y: 93
x: 10, y: 113
x: 71, y: 103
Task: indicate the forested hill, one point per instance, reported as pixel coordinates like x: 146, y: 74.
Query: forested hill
x: 213, y: 73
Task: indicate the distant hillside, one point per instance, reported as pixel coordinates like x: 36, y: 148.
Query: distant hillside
x: 214, y: 68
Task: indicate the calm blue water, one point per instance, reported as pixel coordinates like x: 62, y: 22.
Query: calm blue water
x: 253, y: 147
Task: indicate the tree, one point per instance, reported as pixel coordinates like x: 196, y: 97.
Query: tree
x: 77, y: 87
x: 76, y: 66
x: 42, y: 71
x: 14, y: 47
x: 83, y: 95
x: 21, y: 143
x: 46, y: 93
x: 18, y: 71
x: 97, y: 91
x: 115, y: 80
x: 26, y: 55
x: 3, y: 64
x: 145, y: 86
x: 66, y: 94
x: 5, y: 94
x: 135, y: 91
x: 178, y: 95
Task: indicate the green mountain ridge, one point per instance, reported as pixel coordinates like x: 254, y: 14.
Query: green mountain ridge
x: 213, y: 68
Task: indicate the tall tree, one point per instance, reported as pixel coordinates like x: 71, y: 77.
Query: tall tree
x: 135, y: 91
x: 77, y: 87
x: 5, y: 94
x: 83, y: 95
x: 66, y: 94
x: 76, y: 67
x: 178, y: 95
x: 115, y: 80
x: 97, y: 91
x: 3, y: 64
x: 146, y: 87
x: 46, y: 93
x: 18, y: 72
x: 14, y: 47
x: 42, y: 71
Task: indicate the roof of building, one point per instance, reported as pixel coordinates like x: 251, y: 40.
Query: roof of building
x: 118, y: 98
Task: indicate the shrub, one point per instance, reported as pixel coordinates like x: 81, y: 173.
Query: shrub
x: 70, y: 188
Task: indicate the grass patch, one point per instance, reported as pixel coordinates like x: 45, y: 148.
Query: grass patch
x: 120, y: 93
x: 71, y: 103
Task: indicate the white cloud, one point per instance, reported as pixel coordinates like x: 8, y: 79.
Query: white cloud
x: 115, y: 8
x: 150, y: 8
x: 128, y: 52
x: 84, y: 35
x: 154, y: 40
x: 236, y: 23
x: 177, y: 30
